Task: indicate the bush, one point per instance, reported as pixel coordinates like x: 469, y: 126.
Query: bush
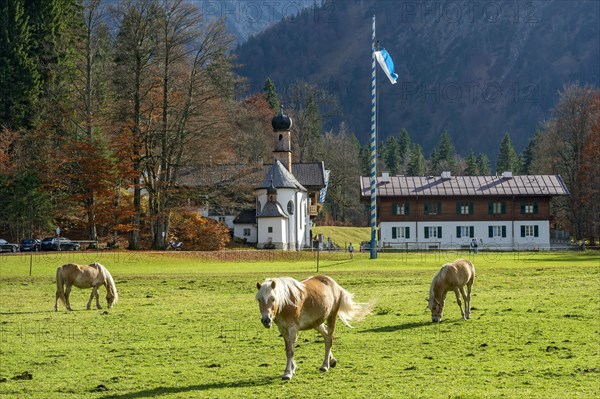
x: 198, y: 233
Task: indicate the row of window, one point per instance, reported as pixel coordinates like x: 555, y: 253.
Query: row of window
x: 464, y: 231
x: 464, y: 208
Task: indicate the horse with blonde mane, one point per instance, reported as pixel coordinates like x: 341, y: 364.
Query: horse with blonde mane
x: 452, y: 276
x: 84, y: 276
x: 315, y: 302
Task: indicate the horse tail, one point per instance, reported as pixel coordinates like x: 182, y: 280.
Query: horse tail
x: 111, y: 288
x: 353, y: 311
x: 60, y: 293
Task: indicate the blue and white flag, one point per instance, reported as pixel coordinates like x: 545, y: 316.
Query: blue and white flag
x: 386, y: 63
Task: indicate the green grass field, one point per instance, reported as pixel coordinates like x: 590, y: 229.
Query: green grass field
x: 187, y: 326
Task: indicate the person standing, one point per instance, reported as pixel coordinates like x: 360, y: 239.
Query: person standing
x: 351, y: 250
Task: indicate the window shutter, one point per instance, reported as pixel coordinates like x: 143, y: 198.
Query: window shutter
x: 426, y: 208
x: 406, y: 208
x: 394, y: 209
x: 471, y: 208
x: 439, y: 232
x: 503, y: 208
x: 471, y: 231
x: 457, y: 231
x: 407, y: 232
x: 439, y: 208
x: 503, y: 231
x: 522, y: 231
x: 458, y: 205
x: 426, y: 232
x: 535, y: 207
x: 522, y: 209
x: 536, y: 231
x: 394, y: 232
x: 490, y: 231
x: 490, y: 208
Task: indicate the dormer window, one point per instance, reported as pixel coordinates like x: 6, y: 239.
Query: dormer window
x: 290, y: 207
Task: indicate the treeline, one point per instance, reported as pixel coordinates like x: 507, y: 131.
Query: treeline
x: 104, y: 104
x: 567, y: 143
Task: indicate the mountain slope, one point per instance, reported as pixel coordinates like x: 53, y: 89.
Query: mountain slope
x: 477, y: 69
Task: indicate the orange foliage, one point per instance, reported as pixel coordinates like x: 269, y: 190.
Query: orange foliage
x: 198, y: 233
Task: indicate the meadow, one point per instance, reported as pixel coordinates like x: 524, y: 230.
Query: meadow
x: 187, y: 326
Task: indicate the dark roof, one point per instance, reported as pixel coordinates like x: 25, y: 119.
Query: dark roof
x: 278, y: 176
x: 281, y: 122
x: 522, y: 185
x: 272, y: 209
x: 202, y: 175
x: 310, y: 174
x: 247, y: 216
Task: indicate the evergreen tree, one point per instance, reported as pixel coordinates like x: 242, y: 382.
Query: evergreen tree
x: 483, y: 164
x: 472, y: 168
x: 416, y: 163
x: 365, y: 160
x: 404, y: 142
x: 19, y: 78
x: 444, y: 156
x: 507, y: 157
x: 271, y: 94
x: 528, y: 154
x: 391, y: 156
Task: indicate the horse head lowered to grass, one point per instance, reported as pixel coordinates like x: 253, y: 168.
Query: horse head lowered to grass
x: 452, y: 276
x: 84, y: 276
x: 313, y: 303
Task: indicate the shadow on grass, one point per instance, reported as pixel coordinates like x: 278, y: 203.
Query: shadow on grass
x: 160, y: 391
x: 400, y: 327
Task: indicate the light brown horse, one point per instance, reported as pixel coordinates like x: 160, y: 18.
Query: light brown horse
x: 315, y: 302
x: 84, y: 276
x: 452, y: 276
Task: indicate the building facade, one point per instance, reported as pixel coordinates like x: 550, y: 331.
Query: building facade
x: 498, y: 212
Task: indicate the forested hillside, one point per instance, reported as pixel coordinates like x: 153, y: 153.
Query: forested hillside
x: 477, y: 70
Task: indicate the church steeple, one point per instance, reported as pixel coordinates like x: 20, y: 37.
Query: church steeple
x: 282, y: 139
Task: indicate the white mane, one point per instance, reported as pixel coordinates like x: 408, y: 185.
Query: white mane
x: 287, y: 290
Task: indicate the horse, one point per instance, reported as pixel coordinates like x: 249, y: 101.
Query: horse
x: 452, y: 276
x: 313, y: 303
x: 84, y: 276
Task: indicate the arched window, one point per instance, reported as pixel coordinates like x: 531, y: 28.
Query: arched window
x: 290, y: 207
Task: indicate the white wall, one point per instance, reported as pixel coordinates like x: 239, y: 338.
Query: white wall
x: 296, y: 224
x: 481, y: 232
x: 238, y: 232
x: 277, y: 237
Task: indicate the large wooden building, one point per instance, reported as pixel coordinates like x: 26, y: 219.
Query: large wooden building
x: 511, y: 212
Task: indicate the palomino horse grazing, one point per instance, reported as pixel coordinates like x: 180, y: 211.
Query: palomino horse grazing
x: 84, y: 276
x: 452, y: 276
x: 314, y: 302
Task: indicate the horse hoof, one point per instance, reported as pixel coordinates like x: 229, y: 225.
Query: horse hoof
x: 323, y: 369
x: 286, y: 377
x: 332, y: 363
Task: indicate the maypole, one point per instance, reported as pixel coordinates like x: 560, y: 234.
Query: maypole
x: 373, y: 147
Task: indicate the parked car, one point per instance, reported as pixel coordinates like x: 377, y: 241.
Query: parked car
x: 52, y: 243
x: 30, y: 244
x: 5, y: 246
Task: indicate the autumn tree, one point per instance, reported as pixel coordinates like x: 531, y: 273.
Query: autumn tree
x: 133, y: 82
x: 561, y: 150
x: 188, y: 96
x: 341, y: 157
